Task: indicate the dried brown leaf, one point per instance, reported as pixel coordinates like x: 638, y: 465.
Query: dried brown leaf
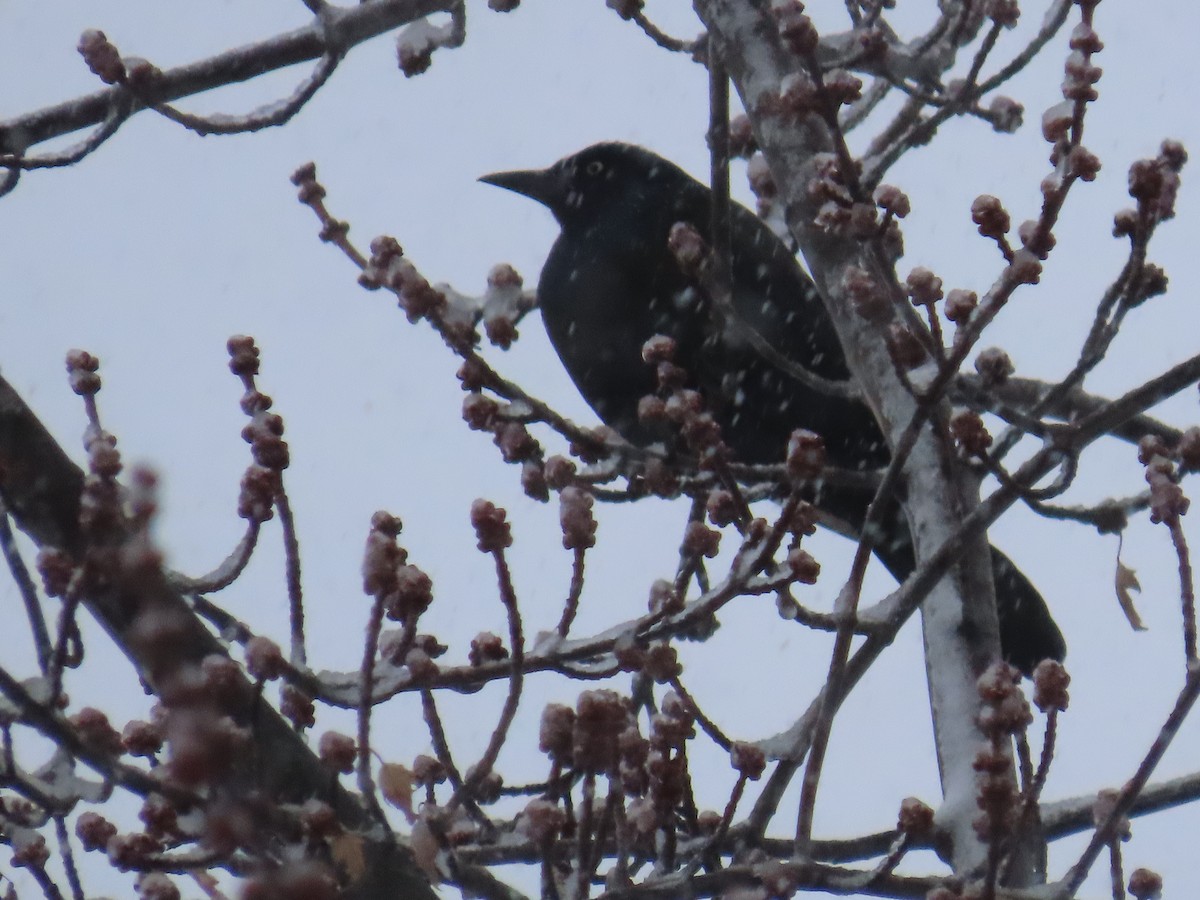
x: 1125, y: 583
x: 347, y: 851
x: 425, y: 850
x: 396, y: 783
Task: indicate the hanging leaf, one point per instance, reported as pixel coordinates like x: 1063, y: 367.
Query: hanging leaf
x: 396, y: 782
x: 347, y: 851
x: 1126, y: 583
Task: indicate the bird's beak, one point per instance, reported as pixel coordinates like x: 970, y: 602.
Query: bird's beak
x: 546, y: 186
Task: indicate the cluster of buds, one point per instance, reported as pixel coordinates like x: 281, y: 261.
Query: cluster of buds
x: 747, y: 760
x: 924, y: 288
x: 505, y: 422
x: 742, y: 143
x: 1167, y: 500
x: 916, y: 819
x: 417, y: 42
x: 542, y: 821
x: 417, y: 653
x: 297, y: 707
x: 1050, y: 683
x: 1062, y: 120
x: 486, y: 647
x: 1004, y: 713
x: 993, y: 221
x: 389, y: 267
x: 664, y: 599
x: 1004, y: 13
x: 598, y: 737
x: 970, y: 433
x: 867, y: 297
x: 959, y: 305
x: 204, y: 743
x: 662, y: 781
x: 262, y: 480
x: 509, y: 433
x: 994, y: 366
x: 100, y: 511
x: 840, y: 212
x: 689, y: 249
x: 493, y: 533
x: 1154, y: 183
x: 1005, y: 114
x: 1080, y: 75
x: 404, y: 590
x: 1145, y: 884
x: 81, y: 373
x: 504, y: 302
x: 105, y: 61
x: 802, y: 565
x: 333, y: 231
x: 795, y: 28
x: 337, y: 752
x: 676, y: 406
x: 576, y: 518
x: 762, y: 185
x: 659, y: 662
x: 827, y: 190
x: 101, y: 56
x: 1062, y: 123
x: 626, y: 9
x: 428, y: 772
x: 905, y: 348
x: 805, y: 455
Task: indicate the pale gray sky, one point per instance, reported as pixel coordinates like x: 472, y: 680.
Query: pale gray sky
x: 154, y: 250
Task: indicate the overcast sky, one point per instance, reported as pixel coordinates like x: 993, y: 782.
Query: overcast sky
x: 154, y: 250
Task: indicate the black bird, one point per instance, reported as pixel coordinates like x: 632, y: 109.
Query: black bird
x: 611, y: 283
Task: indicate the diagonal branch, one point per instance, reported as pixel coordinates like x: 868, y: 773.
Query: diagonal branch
x: 41, y: 487
x: 332, y: 34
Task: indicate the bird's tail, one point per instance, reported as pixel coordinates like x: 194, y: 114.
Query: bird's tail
x: 1028, y: 633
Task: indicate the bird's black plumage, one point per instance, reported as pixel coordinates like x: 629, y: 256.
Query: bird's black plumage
x: 611, y: 283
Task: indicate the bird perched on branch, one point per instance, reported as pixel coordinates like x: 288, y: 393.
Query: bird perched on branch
x: 611, y: 283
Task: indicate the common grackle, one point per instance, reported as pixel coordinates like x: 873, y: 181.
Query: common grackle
x: 611, y: 283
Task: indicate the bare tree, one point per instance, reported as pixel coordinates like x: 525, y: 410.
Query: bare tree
x: 225, y: 774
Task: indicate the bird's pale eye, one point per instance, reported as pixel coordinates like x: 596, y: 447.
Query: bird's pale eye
x: 595, y: 167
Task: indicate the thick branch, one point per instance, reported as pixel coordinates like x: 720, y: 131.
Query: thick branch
x: 336, y: 31
x: 41, y: 488
x: 758, y: 64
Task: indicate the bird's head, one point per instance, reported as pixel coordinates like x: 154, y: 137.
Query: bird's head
x: 583, y: 187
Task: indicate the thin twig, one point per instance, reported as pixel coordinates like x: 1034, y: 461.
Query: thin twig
x: 660, y: 37
x: 1106, y: 830
x: 571, y: 606
x: 295, y: 590
x: 708, y: 725
x: 516, y: 638
x: 366, y: 781
x: 273, y: 114
x: 227, y: 572
x: 67, y: 853
x: 28, y: 591
x: 878, y: 161
x: 1187, y: 589
x: 350, y: 26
